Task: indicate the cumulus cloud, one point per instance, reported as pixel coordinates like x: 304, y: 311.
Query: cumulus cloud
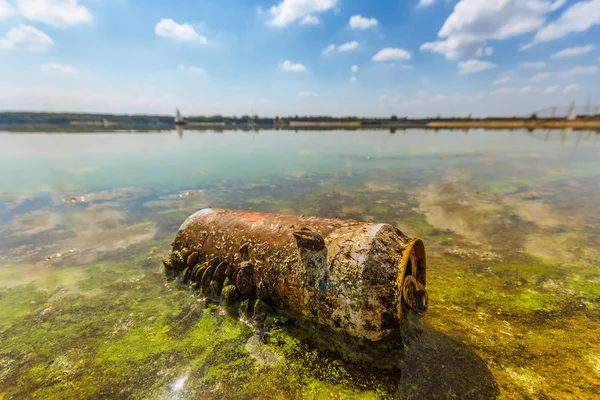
x: 27, y: 38
x: 474, y: 65
x: 502, y: 80
x: 58, y: 13
x: 360, y: 22
x: 64, y: 68
x: 474, y: 22
x: 168, y: 28
x: 5, y: 9
x: 308, y: 93
x: 352, y: 79
x: 289, y: 66
x: 578, y: 18
x: 191, y: 68
x: 573, y: 51
x: 391, y: 54
x: 538, y: 65
x: 348, y: 46
x: 289, y: 11
x: 354, y: 68
x: 309, y: 20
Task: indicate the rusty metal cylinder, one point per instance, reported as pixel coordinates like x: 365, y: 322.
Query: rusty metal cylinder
x: 354, y: 277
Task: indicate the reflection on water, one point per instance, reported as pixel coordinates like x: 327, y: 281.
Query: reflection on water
x: 510, y: 220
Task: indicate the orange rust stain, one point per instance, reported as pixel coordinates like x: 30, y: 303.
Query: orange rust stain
x: 254, y: 217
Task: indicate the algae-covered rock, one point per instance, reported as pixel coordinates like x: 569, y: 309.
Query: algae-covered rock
x: 230, y: 295
x: 261, y: 310
x: 215, y: 288
x: 245, y: 307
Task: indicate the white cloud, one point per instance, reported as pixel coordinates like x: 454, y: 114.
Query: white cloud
x: 538, y: 65
x: 289, y: 66
x: 533, y: 90
x: 484, y: 51
x: 309, y: 20
x: 348, y: 46
x: 425, y: 3
x: 64, y: 68
x: 572, y: 88
x: 352, y: 79
x: 166, y: 27
x: 354, y: 68
x: 474, y: 22
x: 513, y: 90
x: 474, y: 65
x: 308, y: 93
x: 328, y: 50
x: 341, y: 48
x: 360, y: 22
x: 289, y: 11
x: 502, y: 80
x: 579, y: 70
x: 6, y: 9
x: 191, y: 68
x: 552, y: 89
x: 578, y: 18
x: 25, y: 37
x: 567, y: 74
x: 58, y: 13
x: 259, y: 10
x: 390, y: 54
x: 542, y: 76
x: 573, y: 51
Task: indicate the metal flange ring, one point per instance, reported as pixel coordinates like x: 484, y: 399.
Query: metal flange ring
x: 414, y: 295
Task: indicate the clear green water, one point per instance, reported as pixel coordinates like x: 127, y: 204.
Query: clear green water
x: 511, y: 222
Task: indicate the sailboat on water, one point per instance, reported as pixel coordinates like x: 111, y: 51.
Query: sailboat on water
x: 179, y: 119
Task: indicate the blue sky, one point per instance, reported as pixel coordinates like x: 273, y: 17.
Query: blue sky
x: 281, y: 57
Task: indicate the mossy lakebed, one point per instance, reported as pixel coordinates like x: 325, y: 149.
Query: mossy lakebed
x: 512, y: 238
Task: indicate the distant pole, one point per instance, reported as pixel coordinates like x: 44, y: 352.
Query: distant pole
x: 572, y: 112
x: 588, y: 107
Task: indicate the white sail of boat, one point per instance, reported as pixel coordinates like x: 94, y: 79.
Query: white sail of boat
x: 179, y: 119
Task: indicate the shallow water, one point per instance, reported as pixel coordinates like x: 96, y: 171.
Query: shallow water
x: 510, y: 221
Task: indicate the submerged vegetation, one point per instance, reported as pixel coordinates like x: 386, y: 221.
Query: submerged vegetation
x: 513, y: 244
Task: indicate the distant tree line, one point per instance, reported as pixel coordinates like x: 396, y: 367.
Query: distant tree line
x: 141, y: 120
x: 33, y: 118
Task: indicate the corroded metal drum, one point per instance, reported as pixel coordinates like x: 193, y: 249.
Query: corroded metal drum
x: 353, y: 277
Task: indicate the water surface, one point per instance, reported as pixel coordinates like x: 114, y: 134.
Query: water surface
x: 510, y: 220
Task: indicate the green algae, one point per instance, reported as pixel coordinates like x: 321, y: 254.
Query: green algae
x: 18, y: 302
